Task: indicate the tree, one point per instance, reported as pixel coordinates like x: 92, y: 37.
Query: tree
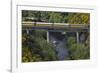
x: 35, y: 47
x: 78, y: 18
x: 78, y: 50
x: 55, y: 17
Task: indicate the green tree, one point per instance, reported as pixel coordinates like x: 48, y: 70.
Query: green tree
x: 55, y: 17
x: 78, y: 18
x: 35, y: 47
x: 78, y: 50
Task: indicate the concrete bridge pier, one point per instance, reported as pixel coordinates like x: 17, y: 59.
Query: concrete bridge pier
x: 27, y: 31
x: 77, y: 37
x: 47, y: 36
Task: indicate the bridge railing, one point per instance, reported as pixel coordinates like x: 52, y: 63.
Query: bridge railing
x: 54, y: 25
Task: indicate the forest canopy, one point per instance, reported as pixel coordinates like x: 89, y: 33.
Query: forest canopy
x: 56, y: 17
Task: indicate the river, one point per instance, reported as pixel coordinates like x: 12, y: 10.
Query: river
x: 58, y: 41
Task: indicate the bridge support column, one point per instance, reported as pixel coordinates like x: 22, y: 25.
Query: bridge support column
x: 77, y: 37
x: 27, y: 31
x: 47, y: 36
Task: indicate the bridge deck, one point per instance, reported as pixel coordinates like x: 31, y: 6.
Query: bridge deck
x: 55, y: 26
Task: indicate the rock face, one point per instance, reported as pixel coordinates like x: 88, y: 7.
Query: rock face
x: 58, y: 41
